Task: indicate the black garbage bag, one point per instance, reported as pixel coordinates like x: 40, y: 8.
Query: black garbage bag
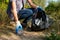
x: 40, y: 21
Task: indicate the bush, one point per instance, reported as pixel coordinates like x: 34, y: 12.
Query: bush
x: 3, y: 14
x: 53, y: 36
x: 53, y: 9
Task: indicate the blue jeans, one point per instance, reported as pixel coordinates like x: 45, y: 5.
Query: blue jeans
x: 26, y: 14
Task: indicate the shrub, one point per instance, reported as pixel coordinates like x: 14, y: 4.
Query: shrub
x: 53, y: 9
x: 52, y: 36
x: 3, y: 14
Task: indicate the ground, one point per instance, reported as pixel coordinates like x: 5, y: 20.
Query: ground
x: 25, y: 36
x: 7, y: 32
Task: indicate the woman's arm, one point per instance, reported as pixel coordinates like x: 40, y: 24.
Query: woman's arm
x: 32, y: 4
x: 14, y: 11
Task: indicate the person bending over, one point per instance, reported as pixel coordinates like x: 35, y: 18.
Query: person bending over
x: 17, y: 11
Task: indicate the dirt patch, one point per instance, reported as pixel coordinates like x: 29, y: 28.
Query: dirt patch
x: 8, y: 33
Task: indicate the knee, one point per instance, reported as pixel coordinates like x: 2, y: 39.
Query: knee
x: 30, y: 12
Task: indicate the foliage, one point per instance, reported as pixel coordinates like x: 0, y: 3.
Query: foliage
x: 6, y: 1
x: 53, y: 36
x: 53, y: 9
x: 3, y: 14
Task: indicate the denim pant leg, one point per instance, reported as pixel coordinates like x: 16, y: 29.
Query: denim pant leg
x: 25, y: 14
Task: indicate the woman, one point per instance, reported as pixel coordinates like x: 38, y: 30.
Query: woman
x: 16, y: 11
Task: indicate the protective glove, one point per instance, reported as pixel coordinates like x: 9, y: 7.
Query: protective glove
x: 39, y: 7
x: 18, y: 27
